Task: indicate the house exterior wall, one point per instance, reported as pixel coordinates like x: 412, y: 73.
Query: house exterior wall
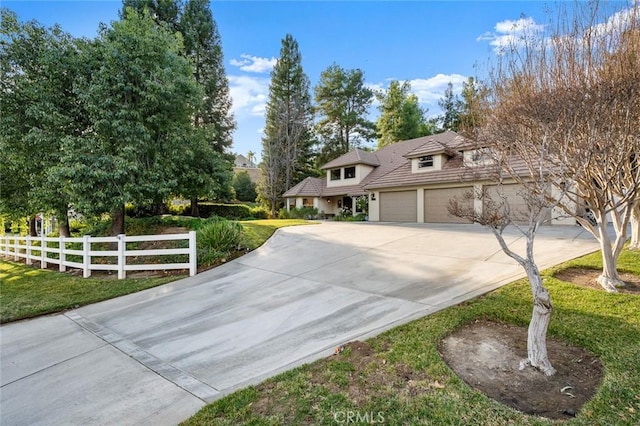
x: 374, y: 206
x: 326, y: 205
x: 362, y: 170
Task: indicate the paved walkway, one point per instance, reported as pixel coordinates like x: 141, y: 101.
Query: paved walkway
x: 157, y: 356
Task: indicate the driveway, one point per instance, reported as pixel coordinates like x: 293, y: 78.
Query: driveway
x: 157, y: 356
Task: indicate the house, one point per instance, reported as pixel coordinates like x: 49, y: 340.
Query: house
x: 244, y: 164
x: 408, y: 181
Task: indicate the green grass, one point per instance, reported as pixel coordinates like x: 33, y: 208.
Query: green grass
x: 605, y: 324
x: 256, y: 232
x: 26, y: 291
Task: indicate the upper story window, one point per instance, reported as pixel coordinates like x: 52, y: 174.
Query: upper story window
x: 335, y: 174
x: 481, y: 154
x: 426, y: 161
x: 349, y: 172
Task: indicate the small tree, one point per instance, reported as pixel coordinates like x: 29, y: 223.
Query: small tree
x: 497, y: 214
x: 244, y: 187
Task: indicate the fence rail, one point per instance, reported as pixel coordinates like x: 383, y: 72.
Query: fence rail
x: 40, y: 249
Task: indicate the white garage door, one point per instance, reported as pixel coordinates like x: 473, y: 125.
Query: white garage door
x: 399, y: 206
x: 436, y: 202
x: 513, y: 195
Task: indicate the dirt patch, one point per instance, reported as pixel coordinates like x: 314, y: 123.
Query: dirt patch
x: 487, y: 357
x: 587, y: 278
x: 355, y: 371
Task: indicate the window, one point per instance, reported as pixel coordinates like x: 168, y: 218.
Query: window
x: 349, y: 172
x: 335, y: 174
x: 306, y: 202
x: 481, y: 154
x: 426, y: 161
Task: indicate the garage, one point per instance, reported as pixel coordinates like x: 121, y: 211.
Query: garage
x: 436, y: 202
x: 399, y: 206
x: 517, y: 204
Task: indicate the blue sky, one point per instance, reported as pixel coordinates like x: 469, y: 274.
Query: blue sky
x: 428, y: 43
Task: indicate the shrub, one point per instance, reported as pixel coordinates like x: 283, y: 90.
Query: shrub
x: 259, y: 213
x: 227, y: 211
x: 300, y: 213
x: 216, y: 239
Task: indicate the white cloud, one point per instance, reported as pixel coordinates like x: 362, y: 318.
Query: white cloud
x: 510, y: 33
x: 248, y: 94
x: 250, y: 63
x: 429, y: 91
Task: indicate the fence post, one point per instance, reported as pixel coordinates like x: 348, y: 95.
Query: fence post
x: 86, y: 257
x: 193, y: 258
x: 43, y: 251
x: 28, y: 261
x: 121, y: 257
x: 62, y: 257
x: 15, y: 248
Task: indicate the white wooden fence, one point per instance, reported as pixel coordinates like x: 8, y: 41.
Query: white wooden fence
x: 38, y: 249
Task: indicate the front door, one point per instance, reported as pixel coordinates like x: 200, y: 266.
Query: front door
x: 347, y: 203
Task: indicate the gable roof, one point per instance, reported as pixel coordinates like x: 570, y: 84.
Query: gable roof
x: 309, y: 186
x: 357, y: 156
x: 448, y: 142
x: 392, y: 166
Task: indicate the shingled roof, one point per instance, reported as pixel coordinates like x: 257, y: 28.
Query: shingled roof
x: 309, y: 186
x: 357, y: 156
x: 392, y: 166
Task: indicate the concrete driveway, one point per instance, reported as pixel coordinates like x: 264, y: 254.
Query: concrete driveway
x: 157, y: 356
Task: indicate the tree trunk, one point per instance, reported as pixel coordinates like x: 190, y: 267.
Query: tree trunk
x: 33, y: 231
x: 63, y: 223
x: 195, y: 210
x: 635, y: 228
x: 117, y: 221
x: 537, y: 336
x: 158, y: 208
x: 609, y: 279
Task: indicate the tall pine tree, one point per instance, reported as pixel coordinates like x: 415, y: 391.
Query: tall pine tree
x: 214, y: 120
x: 286, y: 145
x: 342, y: 101
x: 401, y: 117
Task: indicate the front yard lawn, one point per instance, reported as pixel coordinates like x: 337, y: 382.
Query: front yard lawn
x: 26, y: 291
x: 400, y: 378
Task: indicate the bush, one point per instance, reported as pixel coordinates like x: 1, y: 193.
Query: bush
x: 259, y: 213
x: 300, y: 213
x: 227, y: 211
x: 216, y: 239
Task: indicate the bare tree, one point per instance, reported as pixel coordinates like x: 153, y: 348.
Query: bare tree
x: 562, y: 120
x: 571, y: 101
x: 503, y: 165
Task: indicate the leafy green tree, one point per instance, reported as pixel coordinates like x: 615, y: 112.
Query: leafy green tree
x: 39, y: 109
x: 342, y: 102
x: 203, y: 48
x: 472, y: 106
x: 162, y: 11
x: 244, y: 187
x: 401, y: 117
x: 450, y: 105
x: 140, y: 95
x: 286, y: 145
